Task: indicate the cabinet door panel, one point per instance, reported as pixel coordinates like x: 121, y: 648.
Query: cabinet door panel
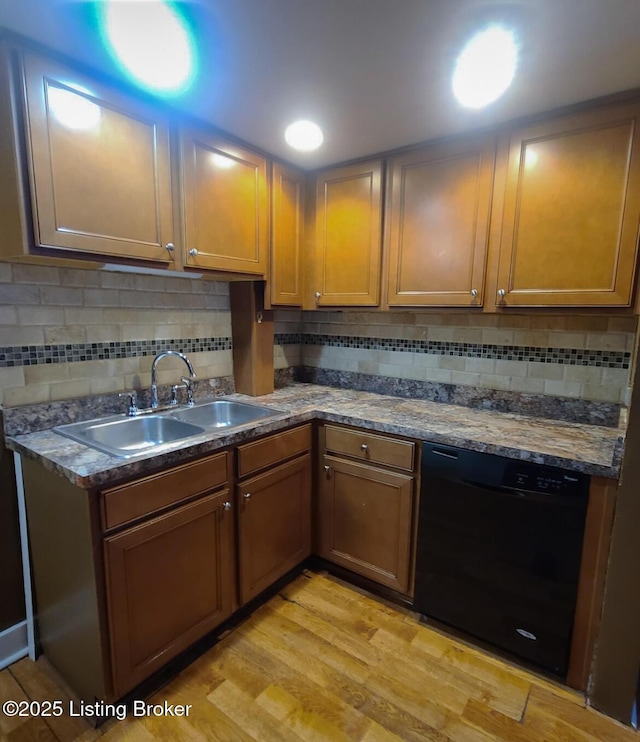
x: 572, y: 207
x: 348, y: 235
x: 99, y: 167
x: 365, y: 521
x: 275, y: 524
x: 439, y: 224
x: 287, y: 216
x: 225, y: 200
x: 169, y: 582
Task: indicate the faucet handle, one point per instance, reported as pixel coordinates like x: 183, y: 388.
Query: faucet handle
x: 188, y: 383
x: 133, y: 402
x: 174, y: 393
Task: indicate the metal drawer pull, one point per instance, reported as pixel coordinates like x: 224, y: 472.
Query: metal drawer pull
x: 364, y: 447
x: 193, y: 252
x: 474, y: 293
x: 226, y: 505
x: 247, y: 495
x: 327, y: 468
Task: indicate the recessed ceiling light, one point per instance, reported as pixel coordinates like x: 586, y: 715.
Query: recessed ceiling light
x: 151, y: 41
x: 486, y: 67
x: 304, y: 136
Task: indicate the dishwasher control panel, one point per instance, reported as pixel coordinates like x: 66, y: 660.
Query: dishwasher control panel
x: 542, y: 479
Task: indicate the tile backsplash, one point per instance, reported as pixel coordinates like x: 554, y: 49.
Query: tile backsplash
x: 580, y: 357
x: 67, y: 332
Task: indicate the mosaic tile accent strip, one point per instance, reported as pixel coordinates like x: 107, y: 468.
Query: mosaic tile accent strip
x: 35, y: 355
x: 562, y: 356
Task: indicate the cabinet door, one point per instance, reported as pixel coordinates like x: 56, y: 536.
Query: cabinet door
x: 225, y: 204
x: 275, y: 524
x: 349, y: 235
x: 287, y: 223
x: 169, y: 581
x: 571, y: 213
x: 365, y: 521
x: 99, y: 167
x: 439, y: 224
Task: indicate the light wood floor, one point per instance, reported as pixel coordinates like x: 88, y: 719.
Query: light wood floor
x: 322, y: 661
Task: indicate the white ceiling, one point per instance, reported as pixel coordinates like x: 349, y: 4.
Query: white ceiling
x: 374, y: 74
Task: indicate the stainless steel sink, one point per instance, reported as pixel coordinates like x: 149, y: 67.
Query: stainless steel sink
x: 224, y: 413
x: 131, y: 436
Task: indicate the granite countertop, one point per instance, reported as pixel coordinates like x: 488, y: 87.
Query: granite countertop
x: 586, y: 448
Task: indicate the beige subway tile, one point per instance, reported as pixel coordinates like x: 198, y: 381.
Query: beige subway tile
x: 480, y: 365
x: 8, y: 316
x: 402, y: 318
x: 465, y: 378
x: 603, y: 393
x: 65, y: 296
x: 33, y: 394
x: 511, y: 368
x: 455, y: 319
x: 452, y: 363
x: 137, y: 332
x: 123, y: 366
x: 88, y: 369
x: 17, y: 294
x: 6, y: 272
x: 101, y: 298
x: 69, y: 389
x: 616, y: 376
x: 17, y: 335
x: 46, y: 373
x: 562, y: 388
x: 149, y: 283
x: 607, y: 341
x: 587, y: 323
x: 583, y: 374
x: 567, y: 339
x: 551, y: 371
x: 178, y: 285
x: 40, y: 274
x: 443, y: 333
x: 631, y: 342
x: 102, y: 333
x: 368, y: 367
x: 106, y: 384
x: 426, y: 319
x: 413, y: 372
x: 526, y: 384
x: 622, y: 324
x: 426, y: 360
x: 12, y: 376
x: 34, y: 315
x: 439, y: 375
x: 497, y: 336
x: 137, y: 381
x: 121, y: 316
x: 495, y: 381
x: 84, y: 316
x: 64, y: 334
x: 549, y: 322
x: 117, y: 280
x: 514, y: 321
x: 467, y: 335
x: 79, y: 277
x: 531, y: 338
x: 389, y: 369
x: 484, y: 320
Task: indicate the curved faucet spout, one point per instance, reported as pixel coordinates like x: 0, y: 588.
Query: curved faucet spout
x: 154, y: 365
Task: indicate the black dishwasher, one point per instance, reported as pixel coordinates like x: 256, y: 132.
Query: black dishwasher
x: 499, y: 549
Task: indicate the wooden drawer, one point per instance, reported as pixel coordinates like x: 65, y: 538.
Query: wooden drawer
x: 146, y: 496
x: 255, y: 456
x: 376, y: 449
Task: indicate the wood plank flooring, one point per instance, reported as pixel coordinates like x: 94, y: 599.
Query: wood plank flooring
x: 324, y: 661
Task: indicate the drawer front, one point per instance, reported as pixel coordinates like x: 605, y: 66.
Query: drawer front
x: 369, y: 447
x: 145, y: 496
x: 255, y: 456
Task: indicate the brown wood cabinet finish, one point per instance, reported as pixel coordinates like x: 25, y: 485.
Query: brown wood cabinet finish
x: 438, y: 212
x: 572, y: 205
x: 169, y: 582
x: 273, y: 450
x: 349, y: 235
x: 225, y: 204
x: 146, y: 496
x: 274, y: 523
x: 98, y: 165
x: 287, y: 235
x: 375, y: 449
x: 365, y: 520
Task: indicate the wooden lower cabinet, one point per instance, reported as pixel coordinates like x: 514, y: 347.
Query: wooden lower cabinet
x: 274, y: 520
x: 365, y: 520
x: 169, y: 581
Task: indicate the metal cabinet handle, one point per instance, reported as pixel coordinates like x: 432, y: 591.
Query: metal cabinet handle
x: 327, y: 468
x: 501, y: 293
x: 193, y: 252
x: 364, y: 447
x: 247, y: 495
x: 170, y: 247
x: 318, y: 295
x: 474, y: 293
x: 226, y: 505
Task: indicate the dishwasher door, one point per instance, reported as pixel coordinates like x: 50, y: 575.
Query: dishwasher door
x: 497, y: 562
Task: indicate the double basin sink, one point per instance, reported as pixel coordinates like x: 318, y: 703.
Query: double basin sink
x: 153, y: 432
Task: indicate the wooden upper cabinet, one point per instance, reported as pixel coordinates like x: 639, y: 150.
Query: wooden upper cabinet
x: 287, y: 235
x: 225, y: 204
x: 572, y: 203
x: 349, y: 235
x: 98, y: 166
x: 439, y: 208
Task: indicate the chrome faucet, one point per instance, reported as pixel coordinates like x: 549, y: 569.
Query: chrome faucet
x: 159, y: 357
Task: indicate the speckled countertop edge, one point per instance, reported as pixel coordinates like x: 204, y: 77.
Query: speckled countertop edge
x: 587, y: 448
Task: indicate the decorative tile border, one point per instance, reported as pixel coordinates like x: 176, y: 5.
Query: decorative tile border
x: 562, y: 356
x: 35, y: 355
